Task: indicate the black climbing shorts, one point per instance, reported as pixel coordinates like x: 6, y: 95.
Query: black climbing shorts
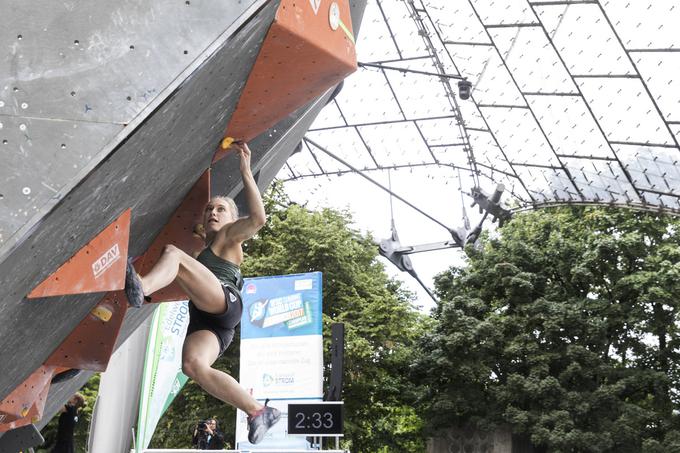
x: 222, y: 325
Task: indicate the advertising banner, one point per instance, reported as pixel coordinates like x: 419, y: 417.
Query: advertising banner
x: 162, y: 379
x: 281, y: 348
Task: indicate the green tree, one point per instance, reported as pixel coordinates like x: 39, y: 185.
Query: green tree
x: 381, y: 328
x: 564, y: 326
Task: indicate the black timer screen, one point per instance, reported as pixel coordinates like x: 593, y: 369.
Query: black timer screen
x: 315, y: 419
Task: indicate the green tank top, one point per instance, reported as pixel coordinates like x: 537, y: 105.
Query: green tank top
x: 226, y: 272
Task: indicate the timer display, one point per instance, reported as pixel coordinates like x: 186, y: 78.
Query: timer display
x: 316, y: 419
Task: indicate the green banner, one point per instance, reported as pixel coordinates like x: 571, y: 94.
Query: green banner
x: 162, y: 379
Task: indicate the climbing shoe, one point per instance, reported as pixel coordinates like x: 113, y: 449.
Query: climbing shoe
x: 259, y: 424
x: 133, y: 286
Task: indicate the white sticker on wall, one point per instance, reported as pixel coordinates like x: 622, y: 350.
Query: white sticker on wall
x: 334, y: 16
x: 106, y: 260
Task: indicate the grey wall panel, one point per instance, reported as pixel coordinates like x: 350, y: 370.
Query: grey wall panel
x: 64, y: 56
x: 21, y: 439
x: 357, y: 8
x: 39, y: 159
x: 73, y: 75
x: 150, y: 172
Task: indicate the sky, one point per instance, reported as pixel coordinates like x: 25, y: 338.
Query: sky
x: 370, y: 208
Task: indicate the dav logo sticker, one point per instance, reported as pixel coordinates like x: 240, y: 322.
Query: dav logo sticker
x: 251, y: 288
x: 105, y: 261
x: 315, y: 5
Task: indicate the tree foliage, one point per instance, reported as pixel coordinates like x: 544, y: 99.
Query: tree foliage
x: 564, y: 327
x: 381, y: 328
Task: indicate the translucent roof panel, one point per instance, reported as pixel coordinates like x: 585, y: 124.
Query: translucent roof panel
x: 506, y: 12
x: 584, y: 39
x: 545, y: 74
x: 645, y: 24
x: 570, y: 126
x: 571, y: 101
x: 625, y: 110
x: 399, y: 144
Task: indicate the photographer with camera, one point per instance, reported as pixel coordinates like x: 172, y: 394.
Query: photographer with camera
x: 207, y: 436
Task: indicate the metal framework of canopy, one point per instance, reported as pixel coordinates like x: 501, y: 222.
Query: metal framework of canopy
x: 573, y: 102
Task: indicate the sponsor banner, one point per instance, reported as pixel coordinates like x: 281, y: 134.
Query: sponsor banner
x: 281, y: 306
x: 162, y: 379
x: 177, y: 385
x: 287, y: 367
x: 281, y: 349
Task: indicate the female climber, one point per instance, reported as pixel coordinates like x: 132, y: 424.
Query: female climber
x: 213, y: 281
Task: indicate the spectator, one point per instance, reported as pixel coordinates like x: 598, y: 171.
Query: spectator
x: 67, y: 423
x: 207, y: 436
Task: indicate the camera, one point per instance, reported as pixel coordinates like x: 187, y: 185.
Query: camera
x: 201, y: 436
x: 464, y: 89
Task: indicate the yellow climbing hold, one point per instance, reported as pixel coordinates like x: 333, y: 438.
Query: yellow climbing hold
x: 24, y: 411
x: 102, y: 313
x: 226, y: 142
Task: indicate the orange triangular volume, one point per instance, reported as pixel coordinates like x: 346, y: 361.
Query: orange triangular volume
x: 97, y: 267
x: 90, y: 345
x: 27, y: 400
x: 306, y: 51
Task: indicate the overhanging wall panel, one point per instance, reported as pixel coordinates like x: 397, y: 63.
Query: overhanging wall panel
x: 75, y: 78
x: 150, y: 172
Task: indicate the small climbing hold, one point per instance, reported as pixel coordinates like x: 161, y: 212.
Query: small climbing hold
x: 102, y: 313
x: 226, y: 142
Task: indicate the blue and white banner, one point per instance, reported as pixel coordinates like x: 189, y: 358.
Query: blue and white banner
x: 283, y: 306
x: 281, y: 348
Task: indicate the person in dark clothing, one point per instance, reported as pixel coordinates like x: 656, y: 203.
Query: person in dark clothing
x: 207, y: 436
x: 67, y: 423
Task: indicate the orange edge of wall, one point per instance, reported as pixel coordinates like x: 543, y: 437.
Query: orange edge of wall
x: 300, y: 58
x: 25, y: 404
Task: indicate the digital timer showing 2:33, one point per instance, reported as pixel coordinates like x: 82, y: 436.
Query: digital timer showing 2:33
x: 324, y: 418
